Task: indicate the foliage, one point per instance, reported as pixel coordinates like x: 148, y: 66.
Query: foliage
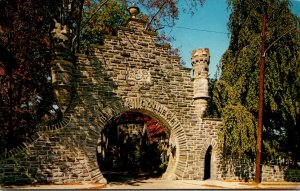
x: 101, y: 17
x: 26, y: 47
x: 236, y: 93
x: 212, y: 109
x: 167, y: 11
x: 163, y: 166
x: 133, y: 152
x: 154, y: 129
x: 25, y: 55
x: 238, y: 133
x: 24, y: 63
x: 97, y: 22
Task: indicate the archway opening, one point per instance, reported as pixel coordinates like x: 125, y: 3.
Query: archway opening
x: 133, y: 145
x: 207, y: 163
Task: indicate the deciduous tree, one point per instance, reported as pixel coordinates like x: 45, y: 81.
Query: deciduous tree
x: 24, y: 76
x: 104, y: 16
x: 99, y: 18
x: 26, y: 46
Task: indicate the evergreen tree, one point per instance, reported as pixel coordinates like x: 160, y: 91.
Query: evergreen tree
x: 237, y: 91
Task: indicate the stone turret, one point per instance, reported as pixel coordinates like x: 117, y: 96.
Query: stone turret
x: 200, y: 62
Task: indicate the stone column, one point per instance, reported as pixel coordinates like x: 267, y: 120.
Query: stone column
x: 200, y: 62
x: 61, y: 66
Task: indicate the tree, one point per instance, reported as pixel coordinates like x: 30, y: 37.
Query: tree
x: 167, y: 11
x: 154, y: 129
x: 135, y: 139
x: 236, y: 93
x: 24, y: 58
x: 99, y: 18
x: 25, y: 53
x: 212, y: 108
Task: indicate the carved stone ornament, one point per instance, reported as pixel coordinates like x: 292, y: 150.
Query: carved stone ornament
x: 60, y: 32
x: 141, y: 75
x: 61, y: 73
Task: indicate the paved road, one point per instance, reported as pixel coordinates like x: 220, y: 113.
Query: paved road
x: 157, y: 183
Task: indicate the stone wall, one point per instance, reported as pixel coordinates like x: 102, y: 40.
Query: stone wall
x: 144, y: 69
x: 57, y: 154
x: 244, y: 170
x: 279, y: 173
x: 129, y: 72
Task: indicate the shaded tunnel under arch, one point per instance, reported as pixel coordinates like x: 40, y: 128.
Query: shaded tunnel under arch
x: 133, y: 144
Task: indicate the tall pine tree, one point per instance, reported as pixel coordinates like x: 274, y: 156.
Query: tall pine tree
x: 237, y: 91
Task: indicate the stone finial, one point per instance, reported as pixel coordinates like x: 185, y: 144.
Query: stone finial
x: 134, y: 11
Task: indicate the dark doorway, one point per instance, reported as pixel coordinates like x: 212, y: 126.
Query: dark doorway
x: 134, y: 145
x: 207, y: 163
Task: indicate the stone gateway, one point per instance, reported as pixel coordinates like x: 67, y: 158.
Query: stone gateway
x: 129, y: 72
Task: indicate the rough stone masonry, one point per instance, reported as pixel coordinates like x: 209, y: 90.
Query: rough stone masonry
x: 129, y: 72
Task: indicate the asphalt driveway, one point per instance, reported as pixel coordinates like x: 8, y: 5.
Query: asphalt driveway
x: 157, y: 183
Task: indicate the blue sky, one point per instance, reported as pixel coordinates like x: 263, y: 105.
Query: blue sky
x: 207, y: 29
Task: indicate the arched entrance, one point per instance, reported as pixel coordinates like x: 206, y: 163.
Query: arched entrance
x: 207, y: 163
x: 133, y: 145
x: 208, y: 159
x: 167, y: 118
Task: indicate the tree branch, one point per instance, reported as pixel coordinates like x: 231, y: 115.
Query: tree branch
x: 160, y: 8
x: 84, y: 24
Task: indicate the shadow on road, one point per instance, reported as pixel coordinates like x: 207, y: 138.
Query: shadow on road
x: 119, y: 178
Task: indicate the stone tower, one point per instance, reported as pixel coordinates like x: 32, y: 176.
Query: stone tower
x: 200, y: 62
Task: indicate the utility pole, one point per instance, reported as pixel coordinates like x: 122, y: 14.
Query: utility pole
x: 261, y: 103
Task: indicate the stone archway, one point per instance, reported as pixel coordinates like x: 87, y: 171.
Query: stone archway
x: 207, y: 163
x: 165, y: 116
x: 208, y: 154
